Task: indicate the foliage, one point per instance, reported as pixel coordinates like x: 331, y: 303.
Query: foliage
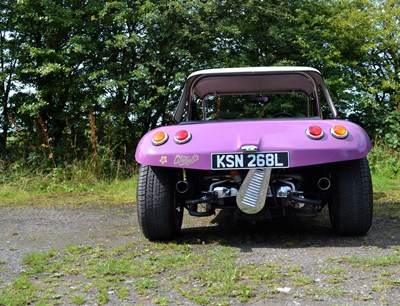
x: 384, y: 162
x: 124, y: 62
x: 370, y: 50
x: 75, y: 182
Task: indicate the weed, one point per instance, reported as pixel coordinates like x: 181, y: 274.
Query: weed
x: 295, y: 269
x: 333, y: 270
x: 329, y: 292
x: 380, y: 261
x: 38, y: 261
x: 20, y: 292
x: 78, y: 300
x: 301, y: 280
x: 390, y: 281
x: 245, y: 293
x: 383, y: 301
x: 362, y: 297
x: 123, y: 293
x: 335, y: 280
x: 378, y: 288
x: 163, y: 301
x: 384, y: 164
x: 103, y: 297
x: 111, y: 266
x: 143, y: 286
x: 55, y: 189
x: 201, y: 300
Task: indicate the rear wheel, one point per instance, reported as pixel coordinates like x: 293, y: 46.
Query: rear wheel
x: 351, y: 206
x: 159, y: 214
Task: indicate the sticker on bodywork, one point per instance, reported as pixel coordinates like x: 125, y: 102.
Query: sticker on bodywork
x: 185, y: 160
x: 163, y: 160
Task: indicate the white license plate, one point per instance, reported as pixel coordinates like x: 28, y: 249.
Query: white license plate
x: 250, y: 160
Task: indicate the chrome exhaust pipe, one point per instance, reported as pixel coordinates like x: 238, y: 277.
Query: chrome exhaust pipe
x: 324, y: 183
x: 182, y: 187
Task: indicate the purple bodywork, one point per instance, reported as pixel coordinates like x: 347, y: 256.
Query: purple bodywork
x: 254, y: 141
x: 284, y: 134
x: 268, y: 136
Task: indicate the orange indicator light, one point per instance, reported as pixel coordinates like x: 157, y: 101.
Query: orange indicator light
x: 339, y: 131
x: 159, y: 138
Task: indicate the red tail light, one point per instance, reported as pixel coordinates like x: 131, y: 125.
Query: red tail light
x: 182, y: 137
x: 315, y: 132
x: 339, y: 131
x: 159, y: 138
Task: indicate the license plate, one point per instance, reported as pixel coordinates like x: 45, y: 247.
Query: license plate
x: 250, y: 160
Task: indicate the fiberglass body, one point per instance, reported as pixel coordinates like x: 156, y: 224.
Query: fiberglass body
x: 262, y: 142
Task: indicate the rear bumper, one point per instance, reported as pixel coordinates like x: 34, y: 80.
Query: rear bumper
x: 267, y: 136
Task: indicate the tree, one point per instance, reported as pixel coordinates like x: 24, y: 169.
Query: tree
x: 8, y: 66
x: 75, y: 74
x: 365, y: 37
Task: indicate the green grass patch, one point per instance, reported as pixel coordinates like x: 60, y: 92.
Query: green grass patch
x: 78, y: 300
x: 385, y: 170
x: 76, y: 182
x: 163, y: 301
x: 301, y: 280
x: 112, y: 192
x: 378, y: 261
x: 204, y: 274
x: 38, y: 261
x: 385, y: 165
x: 333, y: 270
x: 21, y: 291
x: 201, y: 274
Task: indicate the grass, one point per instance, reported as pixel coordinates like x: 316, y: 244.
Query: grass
x: 117, y: 191
x: 203, y: 274
x: 76, y: 183
x: 78, y: 300
x: 385, y: 168
x: 39, y: 262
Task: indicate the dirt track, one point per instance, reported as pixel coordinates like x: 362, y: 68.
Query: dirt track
x: 310, y: 243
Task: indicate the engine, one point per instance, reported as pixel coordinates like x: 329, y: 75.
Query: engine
x: 257, y: 193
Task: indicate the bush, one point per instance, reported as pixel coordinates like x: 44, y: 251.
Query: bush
x: 385, y: 161
x: 36, y: 174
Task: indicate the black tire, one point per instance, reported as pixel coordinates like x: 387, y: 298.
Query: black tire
x: 159, y: 215
x: 351, y: 207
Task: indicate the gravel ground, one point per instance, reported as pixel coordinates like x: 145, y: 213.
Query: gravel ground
x: 310, y: 243
x: 37, y: 228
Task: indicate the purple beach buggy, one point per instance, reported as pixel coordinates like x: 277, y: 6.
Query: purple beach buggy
x: 254, y: 141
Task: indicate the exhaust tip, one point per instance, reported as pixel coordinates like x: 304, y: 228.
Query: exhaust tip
x: 324, y: 183
x: 182, y: 187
